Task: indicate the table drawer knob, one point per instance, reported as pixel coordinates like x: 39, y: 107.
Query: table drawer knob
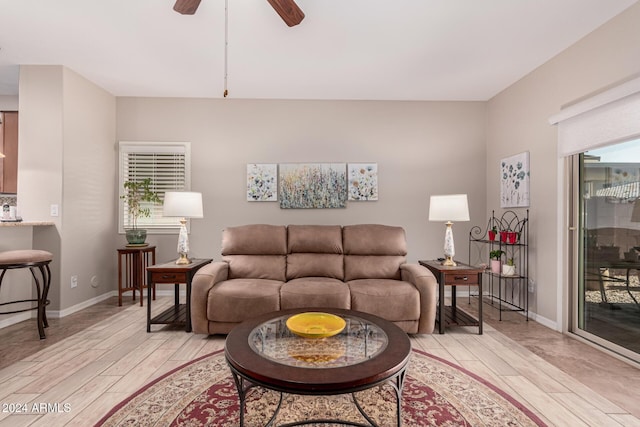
x: 168, y: 276
x: 464, y: 278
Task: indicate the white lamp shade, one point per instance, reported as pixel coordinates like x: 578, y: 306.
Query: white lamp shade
x: 184, y: 204
x: 450, y: 207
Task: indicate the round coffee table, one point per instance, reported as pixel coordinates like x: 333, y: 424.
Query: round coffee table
x: 368, y: 352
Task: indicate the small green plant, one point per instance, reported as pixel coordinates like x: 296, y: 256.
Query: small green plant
x: 497, y: 254
x: 137, y: 193
x: 510, y: 262
x: 494, y: 229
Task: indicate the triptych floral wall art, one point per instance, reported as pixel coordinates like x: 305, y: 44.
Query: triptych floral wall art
x: 312, y: 185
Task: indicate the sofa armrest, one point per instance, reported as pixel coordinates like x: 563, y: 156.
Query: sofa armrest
x: 427, y: 284
x: 204, y: 279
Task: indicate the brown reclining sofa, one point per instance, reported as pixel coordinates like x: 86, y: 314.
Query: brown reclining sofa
x: 267, y: 268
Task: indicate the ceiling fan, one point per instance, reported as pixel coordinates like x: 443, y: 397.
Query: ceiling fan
x: 288, y: 10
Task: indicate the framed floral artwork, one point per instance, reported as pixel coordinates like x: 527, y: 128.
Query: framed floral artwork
x: 363, y: 181
x: 262, y: 182
x: 514, y: 181
x: 313, y: 185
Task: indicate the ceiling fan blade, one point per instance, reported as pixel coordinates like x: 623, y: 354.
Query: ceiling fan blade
x: 288, y: 10
x: 186, y: 7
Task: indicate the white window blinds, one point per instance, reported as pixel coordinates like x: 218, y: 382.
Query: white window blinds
x: 610, y: 116
x: 167, y: 165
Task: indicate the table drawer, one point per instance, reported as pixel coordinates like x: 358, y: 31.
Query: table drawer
x: 168, y: 278
x: 461, y: 279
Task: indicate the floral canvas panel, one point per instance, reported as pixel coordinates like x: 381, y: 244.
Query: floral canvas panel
x: 313, y: 185
x: 514, y: 181
x: 262, y: 182
x: 363, y: 181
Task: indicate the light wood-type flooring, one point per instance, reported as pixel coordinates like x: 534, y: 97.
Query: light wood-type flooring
x: 93, y: 359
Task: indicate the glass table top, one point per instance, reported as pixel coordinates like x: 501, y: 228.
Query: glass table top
x: 360, y: 340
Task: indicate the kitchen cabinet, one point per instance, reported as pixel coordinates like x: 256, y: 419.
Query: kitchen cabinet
x: 9, y: 147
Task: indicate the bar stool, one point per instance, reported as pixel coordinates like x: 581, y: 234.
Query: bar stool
x: 31, y: 259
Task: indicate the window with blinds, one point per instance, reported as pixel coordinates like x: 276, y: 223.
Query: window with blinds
x: 168, y: 167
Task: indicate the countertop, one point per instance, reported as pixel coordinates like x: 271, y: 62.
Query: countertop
x: 26, y: 224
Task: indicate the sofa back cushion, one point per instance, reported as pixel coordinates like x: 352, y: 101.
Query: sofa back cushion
x: 373, y: 251
x: 315, y: 251
x: 255, y: 251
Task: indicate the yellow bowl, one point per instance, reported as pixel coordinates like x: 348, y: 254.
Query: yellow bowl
x: 315, y: 324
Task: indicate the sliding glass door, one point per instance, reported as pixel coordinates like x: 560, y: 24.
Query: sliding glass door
x: 606, y: 294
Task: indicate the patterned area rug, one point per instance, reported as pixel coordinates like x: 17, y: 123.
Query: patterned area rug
x: 435, y: 393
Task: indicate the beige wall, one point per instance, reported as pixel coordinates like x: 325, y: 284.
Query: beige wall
x: 421, y: 148
x: 40, y: 150
x: 8, y: 102
x: 88, y: 185
x: 518, y: 121
x: 67, y: 129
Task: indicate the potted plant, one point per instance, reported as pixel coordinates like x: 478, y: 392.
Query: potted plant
x: 509, y: 269
x: 513, y: 237
x: 137, y: 193
x: 495, y: 256
x: 493, y: 233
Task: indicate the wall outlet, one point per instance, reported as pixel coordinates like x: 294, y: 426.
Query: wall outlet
x: 53, y: 210
x: 532, y: 285
x: 74, y: 281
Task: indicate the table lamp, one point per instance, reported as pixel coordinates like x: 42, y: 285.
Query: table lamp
x: 183, y: 204
x: 451, y: 207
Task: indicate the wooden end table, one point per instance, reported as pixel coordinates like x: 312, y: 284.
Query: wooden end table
x: 170, y: 272
x: 460, y: 275
x: 132, y: 260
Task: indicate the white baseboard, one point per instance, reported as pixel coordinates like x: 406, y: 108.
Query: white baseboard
x: 532, y: 315
x: 66, y: 312
x: 544, y: 321
x: 88, y: 303
x: 17, y: 318
x: 95, y: 300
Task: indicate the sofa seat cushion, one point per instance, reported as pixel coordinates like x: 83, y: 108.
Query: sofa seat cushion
x: 310, y: 292
x: 237, y: 300
x: 393, y: 300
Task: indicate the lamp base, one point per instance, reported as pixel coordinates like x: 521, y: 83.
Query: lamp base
x: 183, y: 244
x: 448, y: 262
x: 183, y: 260
x: 449, y: 249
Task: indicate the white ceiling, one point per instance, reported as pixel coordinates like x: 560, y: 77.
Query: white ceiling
x: 343, y: 49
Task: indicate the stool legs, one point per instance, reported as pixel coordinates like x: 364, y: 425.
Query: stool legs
x: 43, y: 292
x: 42, y: 289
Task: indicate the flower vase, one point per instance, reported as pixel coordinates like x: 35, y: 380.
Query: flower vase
x: 508, y: 270
x: 136, y: 236
x: 495, y: 266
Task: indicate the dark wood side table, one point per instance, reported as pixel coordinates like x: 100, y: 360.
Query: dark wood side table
x: 170, y: 272
x: 132, y: 260
x: 460, y: 275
